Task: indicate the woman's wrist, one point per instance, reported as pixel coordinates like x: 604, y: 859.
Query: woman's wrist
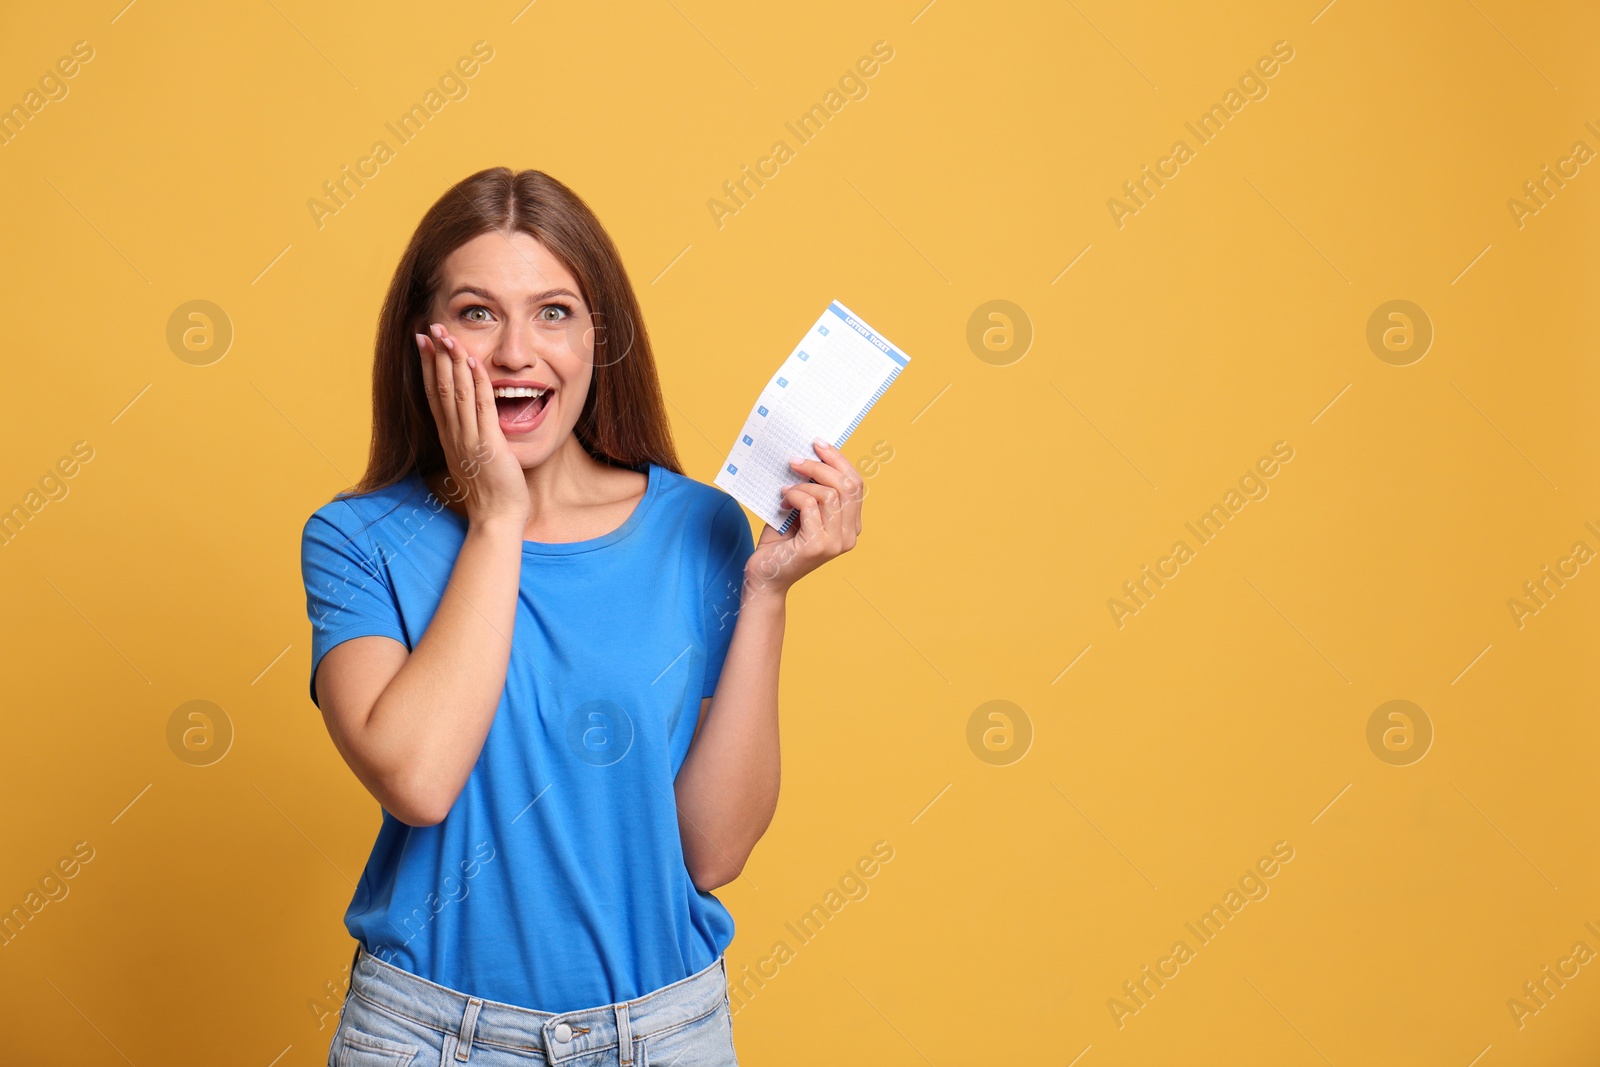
x: 762, y: 594
x: 497, y: 528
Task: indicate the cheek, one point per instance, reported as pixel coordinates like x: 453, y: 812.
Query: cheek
x: 577, y: 380
x: 576, y: 349
x: 584, y: 337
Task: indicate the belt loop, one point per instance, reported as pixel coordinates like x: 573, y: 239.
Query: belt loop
x: 469, y: 1023
x: 624, y: 1037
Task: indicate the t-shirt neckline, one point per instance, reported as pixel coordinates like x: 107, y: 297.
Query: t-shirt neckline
x: 568, y: 548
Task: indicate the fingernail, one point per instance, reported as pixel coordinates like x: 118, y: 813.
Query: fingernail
x: 820, y: 443
x: 796, y: 462
x: 473, y: 363
x: 437, y: 331
x: 421, y: 339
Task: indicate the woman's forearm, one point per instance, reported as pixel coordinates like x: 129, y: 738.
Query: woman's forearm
x: 727, y: 788
x: 428, y: 726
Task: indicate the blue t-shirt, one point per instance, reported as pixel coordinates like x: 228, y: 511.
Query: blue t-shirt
x: 557, y: 881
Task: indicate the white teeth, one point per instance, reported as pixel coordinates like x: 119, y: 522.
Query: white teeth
x: 509, y: 391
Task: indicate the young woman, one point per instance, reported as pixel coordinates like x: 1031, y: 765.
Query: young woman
x: 550, y: 656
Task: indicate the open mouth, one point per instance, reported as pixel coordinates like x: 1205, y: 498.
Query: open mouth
x: 521, y: 409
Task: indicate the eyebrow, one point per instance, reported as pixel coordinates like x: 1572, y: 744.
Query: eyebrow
x: 535, y: 298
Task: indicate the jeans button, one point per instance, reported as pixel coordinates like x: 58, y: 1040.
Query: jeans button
x: 563, y: 1033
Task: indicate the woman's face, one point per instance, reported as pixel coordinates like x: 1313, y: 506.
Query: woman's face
x: 511, y: 303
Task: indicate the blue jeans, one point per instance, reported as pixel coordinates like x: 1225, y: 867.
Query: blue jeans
x: 392, y: 1018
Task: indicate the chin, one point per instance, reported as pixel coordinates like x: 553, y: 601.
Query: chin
x: 528, y: 453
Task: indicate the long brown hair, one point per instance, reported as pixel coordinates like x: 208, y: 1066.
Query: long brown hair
x: 624, y: 418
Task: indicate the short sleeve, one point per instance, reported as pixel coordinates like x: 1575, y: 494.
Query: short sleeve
x: 347, y: 594
x: 730, y: 545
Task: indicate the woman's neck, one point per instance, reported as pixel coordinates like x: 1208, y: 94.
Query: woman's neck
x: 570, y: 490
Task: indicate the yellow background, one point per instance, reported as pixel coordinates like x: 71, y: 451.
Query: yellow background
x: 1228, y: 314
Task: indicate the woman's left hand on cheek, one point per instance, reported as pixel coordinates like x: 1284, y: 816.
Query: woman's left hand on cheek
x: 829, y: 523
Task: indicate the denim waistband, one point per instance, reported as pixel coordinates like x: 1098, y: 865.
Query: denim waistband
x: 561, y: 1036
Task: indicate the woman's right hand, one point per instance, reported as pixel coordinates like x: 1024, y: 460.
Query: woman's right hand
x: 483, y: 473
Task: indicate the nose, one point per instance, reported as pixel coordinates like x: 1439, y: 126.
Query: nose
x: 515, y: 348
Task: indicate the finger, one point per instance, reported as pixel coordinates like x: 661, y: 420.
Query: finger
x: 813, y: 525
x: 833, y: 470
x: 466, y: 395
x: 852, y: 485
x: 828, y: 494
x: 831, y: 455
x: 841, y: 525
x: 437, y: 404
x: 488, y: 416
x: 444, y: 388
x: 425, y: 357
x: 845, y: 500
x: 824, y: 473
x: 831, y: 500
x: 828, y: 527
